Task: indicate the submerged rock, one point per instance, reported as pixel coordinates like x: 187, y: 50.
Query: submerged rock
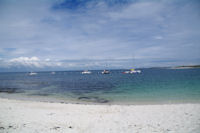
x: 2, y: 128
x: 55, y: 128
x: 39, y: 94
x: 84, y: 98
x: 93, y: 99
x: 8, y: 90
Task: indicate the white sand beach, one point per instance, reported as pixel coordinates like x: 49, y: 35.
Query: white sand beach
x: 41, y: 117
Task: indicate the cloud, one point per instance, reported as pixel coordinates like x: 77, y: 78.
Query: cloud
x: 140, y: 10
x: 26, y: 61
x: 158, y: 37
x: 54, y: 31
x: 29, y: 62
x: 34, y: 63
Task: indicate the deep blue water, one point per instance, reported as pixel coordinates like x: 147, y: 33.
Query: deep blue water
x: 152, y: 85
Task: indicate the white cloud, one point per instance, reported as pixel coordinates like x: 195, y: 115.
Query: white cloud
x: 139, y: 10
x: 158, y: 37
x: 30, y: 62
x: 47, y: 59
x: 35, y: 62
x: 25, y: 61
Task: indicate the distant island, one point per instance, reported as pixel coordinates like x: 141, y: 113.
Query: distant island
x: 180, y: 67
x: 187, y: 66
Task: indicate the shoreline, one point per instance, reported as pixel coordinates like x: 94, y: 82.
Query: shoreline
x: 47, y: 99
x: 33, y: 116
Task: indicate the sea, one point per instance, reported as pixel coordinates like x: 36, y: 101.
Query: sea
x: 151, y: 86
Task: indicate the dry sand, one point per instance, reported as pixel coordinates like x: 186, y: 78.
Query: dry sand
x: 41, y: 117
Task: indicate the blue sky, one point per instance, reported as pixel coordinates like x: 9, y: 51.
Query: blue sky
x: 94, y: 34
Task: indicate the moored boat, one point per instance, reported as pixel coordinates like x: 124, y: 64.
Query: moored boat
x: 86, y: 72
x: 32, y: 73
x: 105, y: 72
x: 132, y: 71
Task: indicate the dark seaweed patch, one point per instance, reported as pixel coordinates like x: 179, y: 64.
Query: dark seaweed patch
x: 93, y: 99
x: 102, y: 101
x: 9, y: 90
x: 39, y: 94
x: 83, y: 98
x: 1, y: 128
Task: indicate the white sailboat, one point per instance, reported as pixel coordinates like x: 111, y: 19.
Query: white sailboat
x: 105, y: 72
x: 132, y: 71
x: 135, y: 71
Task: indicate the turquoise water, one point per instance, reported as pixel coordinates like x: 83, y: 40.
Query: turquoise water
x: 150, y: 86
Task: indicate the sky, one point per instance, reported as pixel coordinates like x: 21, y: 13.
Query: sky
x: 98, y: 34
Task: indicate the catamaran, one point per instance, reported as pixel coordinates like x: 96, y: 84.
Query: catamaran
x: 135, y: 71
x: 132, y: 71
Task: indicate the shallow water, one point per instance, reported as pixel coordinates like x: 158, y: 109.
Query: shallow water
x: 150, y: 86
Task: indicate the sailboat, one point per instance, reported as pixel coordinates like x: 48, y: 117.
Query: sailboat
x: 105, y: 72
x: 135, y: 71
x: 132, y: 71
